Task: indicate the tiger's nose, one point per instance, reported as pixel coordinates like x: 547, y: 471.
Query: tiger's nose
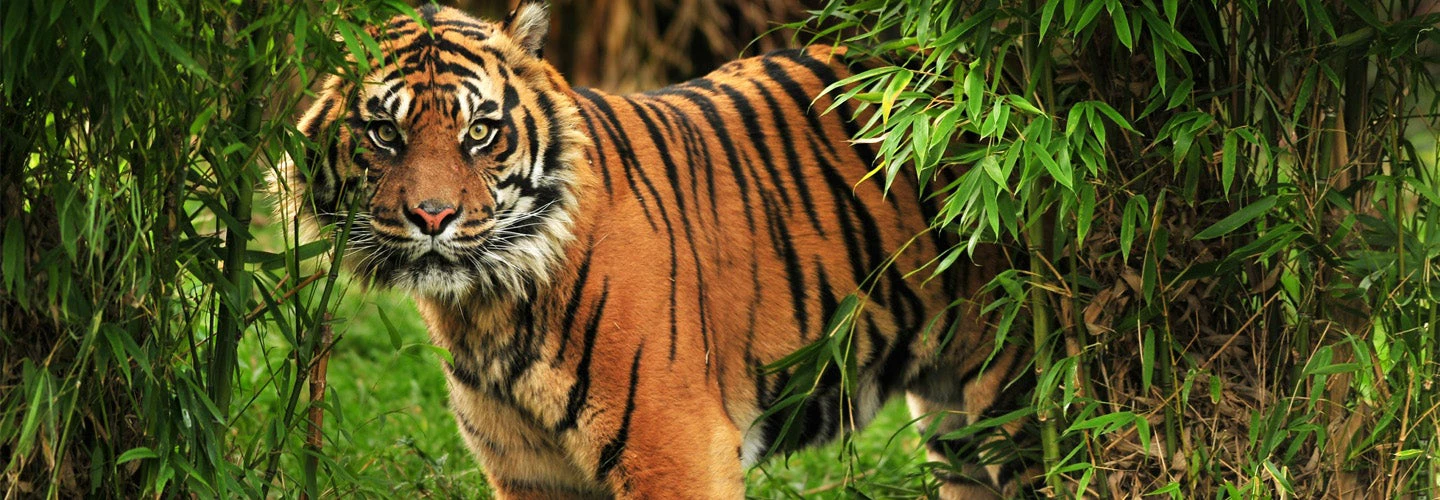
x: 432, y: 215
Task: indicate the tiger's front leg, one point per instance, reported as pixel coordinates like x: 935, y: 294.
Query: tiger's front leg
x: 676, y: 452
x: 654, y: 429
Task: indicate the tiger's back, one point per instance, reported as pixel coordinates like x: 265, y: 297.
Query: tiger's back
x: 749, y: 192
x: 621, y: 267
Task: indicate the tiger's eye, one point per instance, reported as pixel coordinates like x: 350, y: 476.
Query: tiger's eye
x: 387, y: 133
x: 479, y: 131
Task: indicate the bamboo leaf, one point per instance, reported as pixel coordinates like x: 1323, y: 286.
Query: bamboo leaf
x: 892, y: 91
x: 1132, y: 216
x: 390, y: 330
x: 1227, y: 160
x: 1047, y: 13
x: 1105, y: 423
x: 136, y: 453
x: 1239, y: 218
x: 1147, y: 360
x: 1086, y: 213
x: 974, y: 91
x: 37, y: 383
x: 1122, y: 25
x: 1114, y: 116
x: 1086, y: 16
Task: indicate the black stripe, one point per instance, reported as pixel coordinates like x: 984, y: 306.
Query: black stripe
x: 792, y: 160
x: 621, y: 145
x: 580, y: 390
x: 474, y: 432
x: 827, y: 76
x: 599, y: 157
x: 672, y: 171
x: 756, y: 136
x: 510, y: 100
x: 573, y: 304
x: 610, y: 454
x: 722, y: 135
x: 783, y: 243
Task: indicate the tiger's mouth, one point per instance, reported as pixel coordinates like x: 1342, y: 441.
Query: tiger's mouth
x: 438, y: 265
x: 505, y: 254
x: 431, y: 273
x: 432, y: 259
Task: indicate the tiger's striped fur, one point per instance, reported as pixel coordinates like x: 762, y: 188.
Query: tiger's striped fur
x: 611, y: 272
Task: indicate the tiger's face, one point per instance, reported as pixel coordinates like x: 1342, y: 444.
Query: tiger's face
x: 456, y: 154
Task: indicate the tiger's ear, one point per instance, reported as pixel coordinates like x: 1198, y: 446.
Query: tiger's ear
x: 528, y: 23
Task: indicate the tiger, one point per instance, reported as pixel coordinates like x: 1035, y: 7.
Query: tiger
x: 613, y: 274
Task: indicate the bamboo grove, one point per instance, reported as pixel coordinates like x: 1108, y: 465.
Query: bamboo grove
x: 1229, y: 212
x: 135, y: 138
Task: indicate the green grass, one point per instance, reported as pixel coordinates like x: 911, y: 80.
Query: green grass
x: 886, y: 458
x: 389, y: 426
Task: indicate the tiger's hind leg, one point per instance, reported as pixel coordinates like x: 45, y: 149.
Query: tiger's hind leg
x: 988, y: 463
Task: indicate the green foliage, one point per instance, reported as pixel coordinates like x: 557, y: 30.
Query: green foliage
x: 1243, y: 193
x: 135, y: 135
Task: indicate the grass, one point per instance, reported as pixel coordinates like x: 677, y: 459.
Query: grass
x: 387, y: 423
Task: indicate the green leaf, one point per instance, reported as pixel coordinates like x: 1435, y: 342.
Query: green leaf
x: 1122, y: 25
x: 1307, y: 87
x: 32, y: 412
x: 202, y: 120
x: 1086, y: 214
x: 863, y: 76
x: 1280, y: 477
x: 1142, y: 430
x: 991, y: 167
x: 142, y: 9
x: 974, y: 90
x: 1409, y: 454
x: 1161, y: 66
x: 1239, y: 218
x: 1147, y: 360
x: 1088, y: 15
x: 1182, y: 92
x: 1227, y: 160
x: 1022, y: 104
x: 136, y: 454
x: 892, y: 91
x: 1047, y: 13
x: 1171, y: 488
x: 1114, y: 116
x: 1105, y: 423
x: 1159, y: 239
x: 350, y: 35
x: 162, y: 38
x: 440, y: 353
x: 390, y: 329
x: 1133, y: 215
x: 844, y: 315
x: 1215, y: 389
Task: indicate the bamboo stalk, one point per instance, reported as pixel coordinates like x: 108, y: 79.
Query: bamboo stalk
x: 305, y: 352
x: 316, y: 438
x: 240, y: 203
x: 1036, y: 59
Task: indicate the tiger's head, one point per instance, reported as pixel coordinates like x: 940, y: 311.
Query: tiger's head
x: 456, y: 157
